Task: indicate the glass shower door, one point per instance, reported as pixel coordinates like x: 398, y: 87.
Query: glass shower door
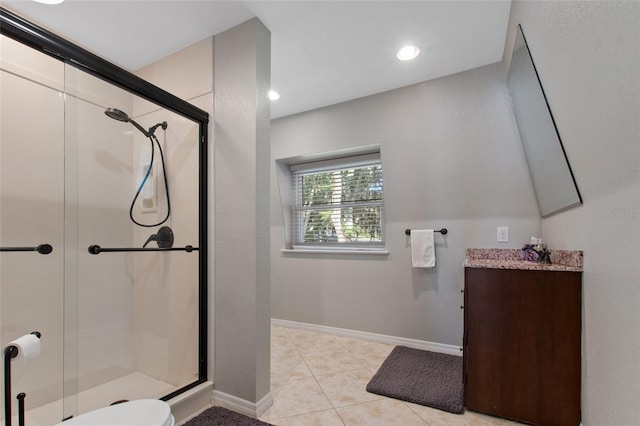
x: 131, y: 316
x: 121, y: 310
x: 32, y: 216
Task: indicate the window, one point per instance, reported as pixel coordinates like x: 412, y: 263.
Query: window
x: 338, y: 203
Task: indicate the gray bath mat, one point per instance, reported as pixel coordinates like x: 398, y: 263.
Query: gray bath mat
x: 422, y: 377
x: 220, y: 416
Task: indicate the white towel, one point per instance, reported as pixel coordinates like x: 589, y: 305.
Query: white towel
x: 423, y: 251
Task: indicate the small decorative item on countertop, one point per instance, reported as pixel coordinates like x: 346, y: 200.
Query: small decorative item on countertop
x: 544, y: 256
x: 536, y: 252
x: 528, y: 253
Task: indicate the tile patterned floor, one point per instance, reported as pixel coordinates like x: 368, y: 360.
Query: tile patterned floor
x: 320, y: 380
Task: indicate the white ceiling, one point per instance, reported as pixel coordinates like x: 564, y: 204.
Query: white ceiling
x: 323, y: 52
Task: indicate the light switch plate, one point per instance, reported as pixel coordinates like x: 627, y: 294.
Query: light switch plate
x: 503, y: 234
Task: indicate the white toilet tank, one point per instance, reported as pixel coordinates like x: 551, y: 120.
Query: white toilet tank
x: 142, y: 412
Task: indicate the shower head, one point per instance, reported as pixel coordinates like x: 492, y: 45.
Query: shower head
x: 116, y: 114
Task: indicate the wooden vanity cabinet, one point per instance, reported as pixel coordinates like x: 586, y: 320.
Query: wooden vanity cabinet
x: 522, y: 344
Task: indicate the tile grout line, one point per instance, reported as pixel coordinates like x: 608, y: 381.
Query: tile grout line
x: 362, y: 367
x: 314, y: 378
x: 335, y: 410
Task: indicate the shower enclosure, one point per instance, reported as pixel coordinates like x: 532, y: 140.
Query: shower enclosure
x: 119, y: 321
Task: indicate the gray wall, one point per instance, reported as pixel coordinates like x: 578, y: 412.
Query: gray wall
x: 587, y: 54
x: 241, y: 177
x: 451, y: 158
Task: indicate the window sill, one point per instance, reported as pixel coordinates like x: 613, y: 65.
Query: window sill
x: 336, y: 251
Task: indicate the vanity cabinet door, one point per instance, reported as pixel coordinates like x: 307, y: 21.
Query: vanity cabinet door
x: 522, y: 344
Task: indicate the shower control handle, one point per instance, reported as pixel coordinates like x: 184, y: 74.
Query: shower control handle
x: 164, y: 238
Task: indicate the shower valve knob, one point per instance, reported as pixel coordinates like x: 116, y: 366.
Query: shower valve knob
x: 164, y: 238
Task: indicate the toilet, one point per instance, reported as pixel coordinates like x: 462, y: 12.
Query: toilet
x: 142, y: 412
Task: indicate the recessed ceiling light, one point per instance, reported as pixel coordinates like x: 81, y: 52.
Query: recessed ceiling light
x: 408, y: 53
x: 273, y: 95
x: 49, y: 1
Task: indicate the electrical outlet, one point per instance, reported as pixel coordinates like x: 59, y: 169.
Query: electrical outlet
x: 503, y: 234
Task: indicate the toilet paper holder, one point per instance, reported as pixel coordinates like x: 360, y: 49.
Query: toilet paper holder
x: 11, y: 352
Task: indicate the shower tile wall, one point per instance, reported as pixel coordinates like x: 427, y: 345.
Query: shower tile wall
x: 187, y: 74
x: 166, y: 290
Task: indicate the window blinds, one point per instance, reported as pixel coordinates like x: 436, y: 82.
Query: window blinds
x: 338, y: 202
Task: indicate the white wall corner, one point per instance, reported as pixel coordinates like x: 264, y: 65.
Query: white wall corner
x: 192, y: 401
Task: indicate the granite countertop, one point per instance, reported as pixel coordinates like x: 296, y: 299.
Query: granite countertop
x: 561, y: 260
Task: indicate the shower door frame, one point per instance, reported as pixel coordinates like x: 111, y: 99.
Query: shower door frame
x: 30, y: 34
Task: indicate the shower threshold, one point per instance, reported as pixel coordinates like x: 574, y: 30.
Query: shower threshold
x: 132, y: 386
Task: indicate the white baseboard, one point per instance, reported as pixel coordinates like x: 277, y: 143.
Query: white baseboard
x: 251, y: 409
x: 192, y: 401
x: 372, y: 337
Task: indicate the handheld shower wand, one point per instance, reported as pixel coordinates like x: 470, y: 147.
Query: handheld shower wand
x: 119, y: 115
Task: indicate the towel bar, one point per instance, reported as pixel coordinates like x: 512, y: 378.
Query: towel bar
x: 443, y: 231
